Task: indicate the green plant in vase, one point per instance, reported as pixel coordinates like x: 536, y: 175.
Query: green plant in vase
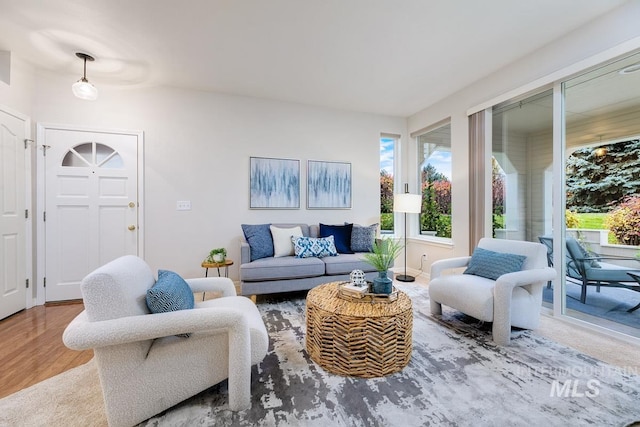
x: 384, y: 253
x: 217, y: 255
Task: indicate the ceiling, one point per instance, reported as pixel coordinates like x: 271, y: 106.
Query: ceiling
x: 391, y: 57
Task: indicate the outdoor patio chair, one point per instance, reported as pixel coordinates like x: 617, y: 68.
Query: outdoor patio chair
x: 589, y: 268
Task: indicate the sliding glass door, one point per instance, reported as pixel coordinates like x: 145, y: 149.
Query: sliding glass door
x: 591, y: 157
x: 602, y: 176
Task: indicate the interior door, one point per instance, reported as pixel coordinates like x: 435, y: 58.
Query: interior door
x: 13, y: 293
x: 91, y: 205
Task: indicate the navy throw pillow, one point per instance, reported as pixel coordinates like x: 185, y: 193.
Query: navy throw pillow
x: 490, y: 264
x: 259, y: 238
x: 341, y: 236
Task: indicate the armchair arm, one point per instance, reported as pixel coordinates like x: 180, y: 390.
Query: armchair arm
x: 445, y: 264
x: 502, y: 293
x: 213, y: 284
x: 525, y: 277
x: 82, y: 334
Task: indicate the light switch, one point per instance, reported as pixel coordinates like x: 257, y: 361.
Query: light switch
x: 183, y: 205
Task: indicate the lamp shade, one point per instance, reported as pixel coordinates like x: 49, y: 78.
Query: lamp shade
x: 407, y: 203
x: 85, y: 90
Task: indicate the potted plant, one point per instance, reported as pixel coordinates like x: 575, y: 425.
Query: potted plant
x: 384, y: 253
x: 217, y: 255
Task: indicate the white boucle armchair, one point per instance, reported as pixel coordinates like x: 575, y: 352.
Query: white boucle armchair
x: 514, y: 299
x: 144, y: 367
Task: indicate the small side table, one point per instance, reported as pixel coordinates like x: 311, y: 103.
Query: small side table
x: 226, y: 263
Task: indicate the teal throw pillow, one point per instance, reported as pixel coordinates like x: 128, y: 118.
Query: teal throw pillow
x: 170, y: 293
x: 306, y: 247
x: 490, y: 264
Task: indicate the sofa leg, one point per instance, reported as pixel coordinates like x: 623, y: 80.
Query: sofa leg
x: 436, y: 307
x: 254, y: 298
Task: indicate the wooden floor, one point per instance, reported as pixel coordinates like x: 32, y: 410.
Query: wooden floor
x: 31, y: 348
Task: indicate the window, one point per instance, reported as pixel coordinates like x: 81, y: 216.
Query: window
x: 91, y: 154
x: 522, y: 156
x: 434, y: 164
x: 387, y: 151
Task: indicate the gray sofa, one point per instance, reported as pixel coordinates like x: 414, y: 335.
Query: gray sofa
x: 288, y: 273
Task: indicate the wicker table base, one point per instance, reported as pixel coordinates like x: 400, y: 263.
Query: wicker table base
x: 361, y: 339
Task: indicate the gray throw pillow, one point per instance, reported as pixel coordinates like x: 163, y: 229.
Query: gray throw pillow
x: 363, y: 237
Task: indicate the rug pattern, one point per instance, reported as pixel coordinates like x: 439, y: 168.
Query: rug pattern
x: 456, y: 376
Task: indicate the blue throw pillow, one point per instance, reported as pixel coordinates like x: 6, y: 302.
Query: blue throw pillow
x: 170, y: 293
x: 259, y: 239
x: 320, y: 247
x: 490, y: 264
x: 341, y: 236
x: 362, y: 238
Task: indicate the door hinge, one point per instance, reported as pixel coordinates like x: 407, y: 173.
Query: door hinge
x: 27, y: 283
x: 26, y: 214
x: 44, y: 282
x: 44, y: 216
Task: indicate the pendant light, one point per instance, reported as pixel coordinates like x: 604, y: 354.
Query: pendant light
x: 83, y: 89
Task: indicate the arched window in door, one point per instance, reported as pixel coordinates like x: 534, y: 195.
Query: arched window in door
x: 92, y: 154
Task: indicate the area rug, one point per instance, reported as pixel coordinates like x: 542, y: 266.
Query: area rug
x: 456, y: 376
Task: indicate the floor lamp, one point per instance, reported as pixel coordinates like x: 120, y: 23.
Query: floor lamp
x: 406, y: 203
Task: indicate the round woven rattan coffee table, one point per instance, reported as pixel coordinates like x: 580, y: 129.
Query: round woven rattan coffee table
x: 361, y: 339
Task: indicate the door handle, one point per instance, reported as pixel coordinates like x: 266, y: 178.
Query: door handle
x: 131, y: 227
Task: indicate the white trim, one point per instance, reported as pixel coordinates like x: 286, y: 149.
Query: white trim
x: 559, y: 202
x: 29, y: 221
x: 40, y: 190
x: 433, y: 126
x: 577, y: 68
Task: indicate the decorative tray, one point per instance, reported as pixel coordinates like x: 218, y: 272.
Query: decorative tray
x: 366, y: 296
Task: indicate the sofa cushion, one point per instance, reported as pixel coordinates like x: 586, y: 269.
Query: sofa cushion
x: 305, y: 247
x: 281, y: 268
x: 258, y: 236
x: 282, y: 244
x: 363, y: 237
x: 345, y: 264
x: 170, y: 293
x: 490, y: 264
x: 341, y: 235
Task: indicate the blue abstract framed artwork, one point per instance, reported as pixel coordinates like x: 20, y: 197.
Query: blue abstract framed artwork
x: 274, y: 183
x: 328, y: 185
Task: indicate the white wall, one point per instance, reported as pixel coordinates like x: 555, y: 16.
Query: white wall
x: 197, y: 148
x: 19, y: 94
x: 607, y: 32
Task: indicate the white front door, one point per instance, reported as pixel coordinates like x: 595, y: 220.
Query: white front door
x: 91, y: 204
x: 13, y: 276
